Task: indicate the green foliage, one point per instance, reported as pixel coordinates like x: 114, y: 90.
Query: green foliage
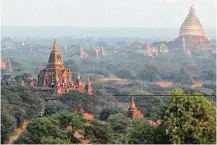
x: 52, y: 140
x: 150, y: 73
x: 73, y: 99
x: 69, y: 119
x: 119, y: 123
x: 24, y: 104
x: 99, y: 133
x: 17, y: 105
x: 52, y: 129
x: 54, y: 107
x: 39, y: 128
x: 141, y: 133
x: 183, y: 77
x: 8, y: 124
x: 185, y: 115
x: 124, y: 74
x: 104, y: 115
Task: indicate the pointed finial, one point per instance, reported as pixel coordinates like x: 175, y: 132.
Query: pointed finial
x: 88, y: 81
x: 183, y: 39
x: 79, y: 77
x: 55, y: 44
x: 55, y: 41
x: 192, y: 10
x: 133, y: 106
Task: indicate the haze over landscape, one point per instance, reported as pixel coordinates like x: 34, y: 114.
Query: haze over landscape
x: 143, y: 18
x: 108, y: 72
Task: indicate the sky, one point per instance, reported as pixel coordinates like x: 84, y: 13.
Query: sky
x: 106, y: 13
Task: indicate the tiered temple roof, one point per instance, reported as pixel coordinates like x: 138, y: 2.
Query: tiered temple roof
x: 56, y: 76
x: 134, y: 113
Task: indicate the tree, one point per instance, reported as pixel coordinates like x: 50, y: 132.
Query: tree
x: 190, y: 118
x: 124, y: 74
x: 209, y: 74
x: 39, y: 128
x: 70, y: 119
x: 73, y: 99
x: 52, y: 129
x: 150, y: 73
x: 8, y: 124
x: 119, y: 122
x: 99, y: 132
x: 141, y: 133
x: 183, y: 77
x: 104, y: 115
x: 54, y: 107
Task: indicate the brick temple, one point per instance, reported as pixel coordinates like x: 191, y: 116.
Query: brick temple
x: 55, y: 77
x: 133, y: 112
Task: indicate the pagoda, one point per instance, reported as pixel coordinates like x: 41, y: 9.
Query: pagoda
x: 133, y: 112
x: 56, y: 78
x: 9, y: 66
x: 191, y: 30
x: 3, y: 65
x: 88, y: 87
x: 55, y: 74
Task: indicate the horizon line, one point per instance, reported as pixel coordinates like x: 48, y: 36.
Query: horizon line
x: 99, y: 26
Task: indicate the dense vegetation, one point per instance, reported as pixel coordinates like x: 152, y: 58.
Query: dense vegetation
x: 184, y: 118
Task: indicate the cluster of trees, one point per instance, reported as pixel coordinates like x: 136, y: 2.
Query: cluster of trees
x: 17, y: 105
x: 60, y: 127
x: 184, y: 119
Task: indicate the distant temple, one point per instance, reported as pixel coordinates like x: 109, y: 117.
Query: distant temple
x: 99, y: 51
x: 151, y: 51
x: 134, y: 113
x: 82, y: 53
x: 3, y: 65
x: 6, y: 66
x: 192, y: 32
x: 80, y: 111
x: 9, y: 66
x: 56, y: 77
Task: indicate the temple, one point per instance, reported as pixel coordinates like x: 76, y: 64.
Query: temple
x: 56, y: 77
x: 80, y: 111
x: 191, y: 30
x: 134, y: 113
x: 3, y: 65
x: 6, y: 66
x: 9, y: 66
x: 82, y: 53
x: 88, y: 87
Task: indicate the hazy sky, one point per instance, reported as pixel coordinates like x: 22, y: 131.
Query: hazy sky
x: 106, y: 13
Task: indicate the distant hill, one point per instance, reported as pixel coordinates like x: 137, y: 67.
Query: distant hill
x: 28, y: 31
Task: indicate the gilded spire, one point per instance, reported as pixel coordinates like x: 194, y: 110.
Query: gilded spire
x: 191, y: 26
x: 192, y: 10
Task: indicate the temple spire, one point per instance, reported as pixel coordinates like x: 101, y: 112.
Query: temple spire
x: 133, y: 105
x: 55, y: 45
x: 78, y: 77
x: 191, y: 25
x: 88, y: 87
x: 9, y: 66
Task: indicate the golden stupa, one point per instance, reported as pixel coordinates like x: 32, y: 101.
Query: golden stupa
x: 191, y: 29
